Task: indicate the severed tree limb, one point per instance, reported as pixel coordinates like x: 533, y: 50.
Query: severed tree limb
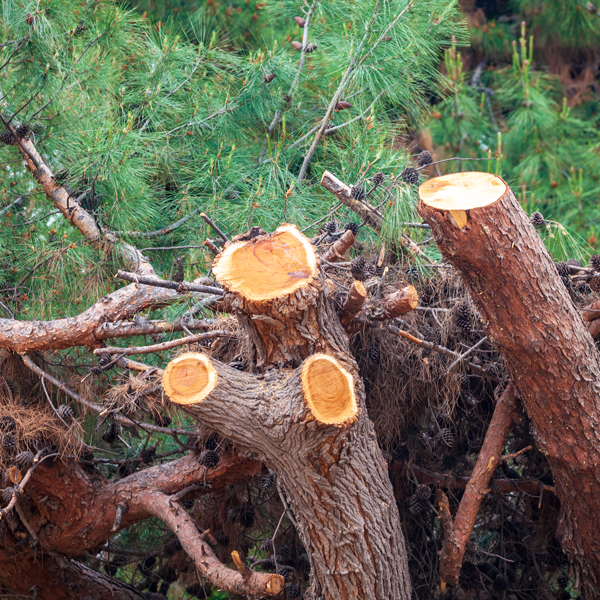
x: 447, y: 526
x: 192, y: 339
x: 490, y: 456
x: 249, y: 583
x: 354, y: 302
x: 339, y: 248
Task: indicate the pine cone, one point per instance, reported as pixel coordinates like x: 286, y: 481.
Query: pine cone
x: 247, y: 515
x: 267, y: 482
x: 401, y: 453
x: 378, y: 179
x: 162, y: 420
x: 462, y: 316
x: 358, y: 193
x: 537, y: 219
x: 595, y: 262
x: 423, y: 492
x: 594, y: 283
x: 468, y: 569
x: 285, y: 553
x: 65, y: 412
x: 374, y: 354
x: 104, y: 361
x: 511, y: 574
x: 24, y: 460
x: 9, y: 441
x: 292, y: 591
x: 187, y: 504
x: 343, y: 105
x: 353, y: 227
x: 357, y: 267
x: 211, y: 443
x: 447, y: 436
x: 500, y: 583
x: 304, y: 563
x: 172, y: 547
x: 562, y: 580
x: 7, y: 424
x: 7, y: 494
x: 310, y: 48
x: 24, y: 132
x: 572, y: 262
x: 410, y: 176
x: 297, y: 45
x: 563, y: 269
x: 7, y: 138
x: 424, y: 159
x: 464, y: 381
x: 268, y: 78
x: 148, y: 455
x: 285, y: 573
x: 146, y: 565
x: 330, y: 227
x: 416, y: 504
x: 179, y: 274
x: 267, y: 545
x: 209, y: 458
x: 443, y: 420
x: 301, y: 22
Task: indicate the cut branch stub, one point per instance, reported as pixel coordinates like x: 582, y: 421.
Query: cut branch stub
x: 329, y: 390
x: 275, y: 288
x: 400, y: 303
x: 267, y: 267
x: 189, y: 378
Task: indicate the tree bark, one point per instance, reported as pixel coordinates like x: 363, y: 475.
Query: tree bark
x: 455, y: 542
x: 481, y: 229
x: 307, y: 420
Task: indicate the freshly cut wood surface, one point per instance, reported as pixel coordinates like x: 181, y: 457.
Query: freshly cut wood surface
x: 462, y: 191
x: 328, y: 390
x: 401, y: 302
x: 268, y: 267
x: 189, y: 378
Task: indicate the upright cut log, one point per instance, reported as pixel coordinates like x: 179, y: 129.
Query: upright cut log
x: 307, y: 420
x: 481, y: 229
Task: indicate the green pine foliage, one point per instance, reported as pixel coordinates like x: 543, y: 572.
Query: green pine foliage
x: 148, y: 124
x: 536, y: 133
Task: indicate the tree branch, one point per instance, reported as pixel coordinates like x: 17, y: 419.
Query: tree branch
x: 489, y: 457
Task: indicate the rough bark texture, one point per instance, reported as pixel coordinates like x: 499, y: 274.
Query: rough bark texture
x: 335, y: 480
x: 548, y: 351
x: 334, y: 476
x: 74, y: 510
x: 455, y: 542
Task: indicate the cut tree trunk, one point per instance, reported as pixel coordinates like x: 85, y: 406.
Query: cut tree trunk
x: 481, y: 229
x: 306, y: 420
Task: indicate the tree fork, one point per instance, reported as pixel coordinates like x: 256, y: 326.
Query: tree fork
x: 306, y: 420
x: 482, y: 230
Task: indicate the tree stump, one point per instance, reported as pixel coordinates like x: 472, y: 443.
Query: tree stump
x: 482, y: 230
x: 306, y: 419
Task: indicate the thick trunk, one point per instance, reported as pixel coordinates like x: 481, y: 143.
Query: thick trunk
x: 481, y: 229
x: 308, y: 422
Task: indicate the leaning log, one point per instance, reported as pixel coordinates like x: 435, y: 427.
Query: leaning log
x: 306, y: 420
x: 482, y: 230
